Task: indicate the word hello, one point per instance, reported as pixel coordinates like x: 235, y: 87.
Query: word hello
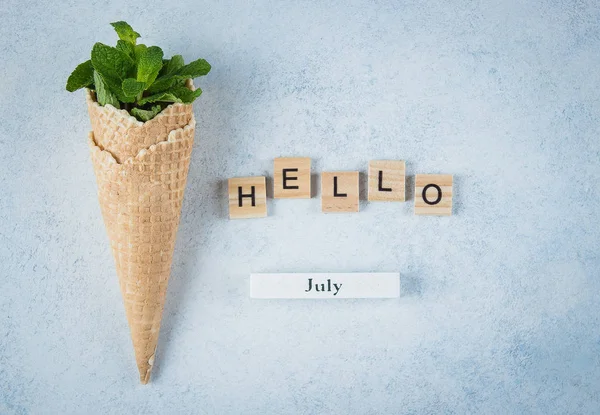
x: 339, y: 190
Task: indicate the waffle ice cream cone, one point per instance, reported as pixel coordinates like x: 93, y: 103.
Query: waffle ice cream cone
x: 141, y: 171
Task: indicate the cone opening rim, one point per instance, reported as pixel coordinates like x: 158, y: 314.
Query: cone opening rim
x: 90, y: 97
x: 172, y: 137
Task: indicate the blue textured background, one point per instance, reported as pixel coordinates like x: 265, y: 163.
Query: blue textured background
x: 500, y: 310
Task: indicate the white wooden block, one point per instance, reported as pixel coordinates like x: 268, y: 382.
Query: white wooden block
x: 325, y: 285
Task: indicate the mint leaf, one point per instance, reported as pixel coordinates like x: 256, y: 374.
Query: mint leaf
x: 194, y: 69
x: 146, y: 115
x: 113, y: 65
x: 103, y: 94
x: 149, y: 64
x: 126, y: 48
x: 139, y: 51
x: 163, y: 70
x: 162, y: 97
x: 174, y: 73
x: 186, y: 95
x: 132, y: 88
x: 174, y: 64
x: 162, y: 84
x: 125, y: 32
x: 82, y: 76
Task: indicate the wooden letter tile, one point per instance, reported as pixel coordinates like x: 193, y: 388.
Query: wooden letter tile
x: 339, y: 191
x: 387, y: 180
x: 433, y: 194
x: 247, y: 197
x: 291, y: 178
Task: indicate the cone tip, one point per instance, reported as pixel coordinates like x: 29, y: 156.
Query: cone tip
x: 145, y: 374
x: 145, y: 370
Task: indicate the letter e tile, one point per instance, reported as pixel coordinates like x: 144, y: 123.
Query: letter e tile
x: 291, y: 178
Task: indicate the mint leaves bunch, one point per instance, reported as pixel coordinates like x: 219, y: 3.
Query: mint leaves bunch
x: 136, y: 77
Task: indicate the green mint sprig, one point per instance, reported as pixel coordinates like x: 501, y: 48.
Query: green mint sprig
x: 136, y: 77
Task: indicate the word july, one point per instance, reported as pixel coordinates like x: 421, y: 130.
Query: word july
x: 321, y: 287
x: 325, y: 286
x: 339, y: 190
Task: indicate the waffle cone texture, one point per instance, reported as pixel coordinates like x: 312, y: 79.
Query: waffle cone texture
x: 141, y: 171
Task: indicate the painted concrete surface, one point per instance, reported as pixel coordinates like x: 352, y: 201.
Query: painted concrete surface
x: 500, y: 304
